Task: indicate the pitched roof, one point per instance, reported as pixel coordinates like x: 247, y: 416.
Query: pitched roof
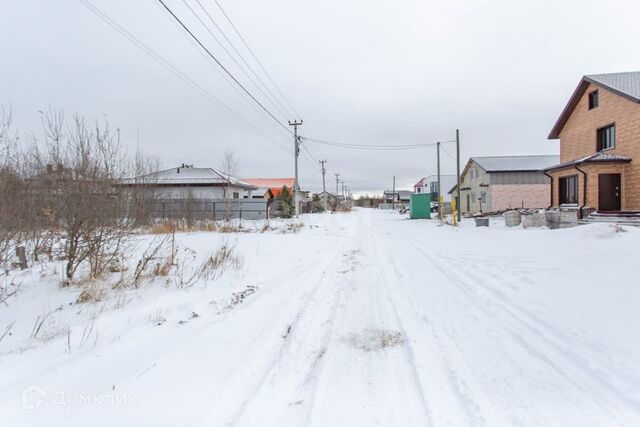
x: 275, y: 184
x: 515, y: 163
x: 626, y: 85
x: 599, y: 157
x: 189, y: 175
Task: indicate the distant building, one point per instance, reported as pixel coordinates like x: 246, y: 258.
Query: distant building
x: 430, y: 185
x: 274, y: 184
x: 399, y: 196
x: 489, y: 184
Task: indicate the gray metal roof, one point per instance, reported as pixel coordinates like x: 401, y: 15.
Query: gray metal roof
x: 515, y: 163
x: 189, y: 175
x: 623, y: 83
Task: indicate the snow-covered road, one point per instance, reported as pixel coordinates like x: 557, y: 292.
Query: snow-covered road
x: 368, y: 319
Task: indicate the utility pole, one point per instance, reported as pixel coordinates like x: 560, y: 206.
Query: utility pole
x: 324, y: 188
x: 439, y: 207
x: 296, y: 151
x: 458, y: 173
x: 337, y: 180
x: 342, y: 183
x: 393, y: 194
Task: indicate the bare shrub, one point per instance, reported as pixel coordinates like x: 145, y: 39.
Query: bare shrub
x: 223, y: 258
x: 154, y: 261
x: 93, y: 292
x: 293, y: 227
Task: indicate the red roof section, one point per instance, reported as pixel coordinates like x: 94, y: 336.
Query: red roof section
x: 275, y: 184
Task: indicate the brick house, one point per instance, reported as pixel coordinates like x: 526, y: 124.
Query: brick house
x: 492, y: 184
x: 599, y: 132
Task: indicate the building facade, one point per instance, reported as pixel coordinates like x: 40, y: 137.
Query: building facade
x: 599, y: 132
x: 493, y: 184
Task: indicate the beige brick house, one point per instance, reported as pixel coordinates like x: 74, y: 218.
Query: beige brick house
x: 499, y: 183
x: 599, y: 132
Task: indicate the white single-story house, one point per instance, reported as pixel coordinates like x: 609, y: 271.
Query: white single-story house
x: 190, y: 182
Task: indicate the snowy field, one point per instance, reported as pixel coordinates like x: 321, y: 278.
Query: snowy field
x: 358, y: 319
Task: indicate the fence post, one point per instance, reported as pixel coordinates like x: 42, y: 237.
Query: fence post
x: 162, y: 210
x: 214, y: 210
x: 21, y: 253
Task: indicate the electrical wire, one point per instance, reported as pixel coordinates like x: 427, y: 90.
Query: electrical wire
x: 223, y: 67
x: 231, y: 56
x: 447, y: 153
x: 255, y: 57
x: 375, y: 147
x: 266, y: 87
x: 173, y: 69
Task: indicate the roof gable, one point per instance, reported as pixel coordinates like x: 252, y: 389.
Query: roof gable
x: 626, y: 85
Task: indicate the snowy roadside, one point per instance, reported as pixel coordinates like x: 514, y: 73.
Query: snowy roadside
x: 366, y: 318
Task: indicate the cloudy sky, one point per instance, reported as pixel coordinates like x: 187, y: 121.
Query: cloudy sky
x: 359, y: 72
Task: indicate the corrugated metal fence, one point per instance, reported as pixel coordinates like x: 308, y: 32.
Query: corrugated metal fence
x: 217, y: 209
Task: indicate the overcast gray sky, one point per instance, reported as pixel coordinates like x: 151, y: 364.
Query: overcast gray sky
x: 359, y: 71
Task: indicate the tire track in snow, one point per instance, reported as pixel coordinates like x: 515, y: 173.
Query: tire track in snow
x: 326, y: 292
x: 544, y: 328
x: 483, y: 302
x: 553, y: 337
x: 465, y: 404
x: 275, y: 359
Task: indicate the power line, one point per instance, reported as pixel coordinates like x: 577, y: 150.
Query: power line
x: 223, y: 67
x: 245, y: 61
x: 374, y: 147
x: 447, y: 153
x: 255, y: 57
x: 206, y: 27
x: 162, y: 61
x: 171, y: 68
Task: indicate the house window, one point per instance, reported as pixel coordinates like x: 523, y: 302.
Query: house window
x: 236, y: 195
x: 593, y: 100
x: 473, y: 199
x: 569, y: 190
x: 483, y: 197
x: 606, y: 137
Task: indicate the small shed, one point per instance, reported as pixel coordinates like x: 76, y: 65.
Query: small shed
x: 420, y: 205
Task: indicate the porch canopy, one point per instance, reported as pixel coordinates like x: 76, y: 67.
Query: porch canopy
x: 597, y: 158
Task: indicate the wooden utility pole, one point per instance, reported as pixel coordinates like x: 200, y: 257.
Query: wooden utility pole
x: 324, y: 188
x: 439, y: 207
x: 393, y: 194
x: 337, y: 181
x: 458, y: 173
x: 296, y: 151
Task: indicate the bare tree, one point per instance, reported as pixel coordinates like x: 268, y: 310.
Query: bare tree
x: 82, y: 192
x: 230, y: 168
x: 10, y: 184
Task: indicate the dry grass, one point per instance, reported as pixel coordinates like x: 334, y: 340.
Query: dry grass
x: 92, y: 292
x: 219, y: 261
x: 170, y: 227
x: 292, y: 228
